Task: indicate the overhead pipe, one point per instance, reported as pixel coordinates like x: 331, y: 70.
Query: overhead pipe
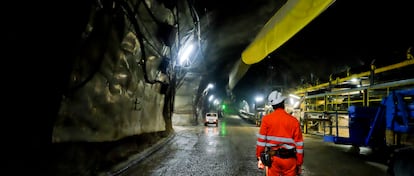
x: 366, y: 73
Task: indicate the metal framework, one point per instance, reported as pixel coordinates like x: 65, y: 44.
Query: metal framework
x: 325, y: 106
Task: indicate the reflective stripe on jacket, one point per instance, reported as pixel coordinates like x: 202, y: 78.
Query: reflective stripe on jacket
x: 280, y: 129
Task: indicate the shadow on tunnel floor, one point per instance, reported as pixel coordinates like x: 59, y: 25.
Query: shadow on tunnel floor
x: 87, y: 159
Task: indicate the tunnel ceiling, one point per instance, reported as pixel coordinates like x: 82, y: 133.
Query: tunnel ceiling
x: 348, y: 34
x: 226, y: 29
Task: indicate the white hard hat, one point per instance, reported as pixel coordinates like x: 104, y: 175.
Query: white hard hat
x: 275, y: 98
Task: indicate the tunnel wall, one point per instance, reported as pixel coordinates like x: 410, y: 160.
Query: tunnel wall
x: 115, y: 103
x: 184, y: 112
x: 185, y: 104
x: 96, y: 114
x: 116, y: 86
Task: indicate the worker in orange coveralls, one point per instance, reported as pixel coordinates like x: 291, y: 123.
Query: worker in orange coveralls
x: 281, y: 136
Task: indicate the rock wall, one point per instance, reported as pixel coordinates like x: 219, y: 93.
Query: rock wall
x: 118, y: 79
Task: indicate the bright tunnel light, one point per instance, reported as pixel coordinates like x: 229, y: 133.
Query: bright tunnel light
x: 258, y: 99
x: 211, y: 97
x: 186, y: 53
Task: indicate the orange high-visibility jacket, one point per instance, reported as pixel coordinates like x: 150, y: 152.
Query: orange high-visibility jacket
x: 280, y: 129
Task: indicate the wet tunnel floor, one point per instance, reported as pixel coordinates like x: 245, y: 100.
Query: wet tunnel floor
x: 229, y: 150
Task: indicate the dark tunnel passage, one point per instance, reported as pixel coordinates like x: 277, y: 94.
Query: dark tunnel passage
x: 89, y: 83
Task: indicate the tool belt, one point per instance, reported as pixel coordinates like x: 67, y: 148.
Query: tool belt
x: 266, y: 156
x: 283, y: 153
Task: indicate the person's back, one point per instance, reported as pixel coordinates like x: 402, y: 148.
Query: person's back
x: 280, y: 122
x: 280, y: 134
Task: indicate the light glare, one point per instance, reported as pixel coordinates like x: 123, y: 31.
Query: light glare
x: 186, y: 53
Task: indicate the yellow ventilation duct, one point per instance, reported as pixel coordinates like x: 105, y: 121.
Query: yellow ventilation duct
x: 285, y: 23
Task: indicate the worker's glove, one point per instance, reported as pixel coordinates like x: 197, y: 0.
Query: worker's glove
x: 298, y: 169
x: 260, y: 165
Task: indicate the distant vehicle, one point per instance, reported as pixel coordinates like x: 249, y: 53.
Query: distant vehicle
x: 211, y: 118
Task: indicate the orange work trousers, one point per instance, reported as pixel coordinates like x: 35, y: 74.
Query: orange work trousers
x: 282, y: 167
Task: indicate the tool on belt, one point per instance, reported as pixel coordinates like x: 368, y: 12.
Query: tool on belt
x: 265, y: 157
